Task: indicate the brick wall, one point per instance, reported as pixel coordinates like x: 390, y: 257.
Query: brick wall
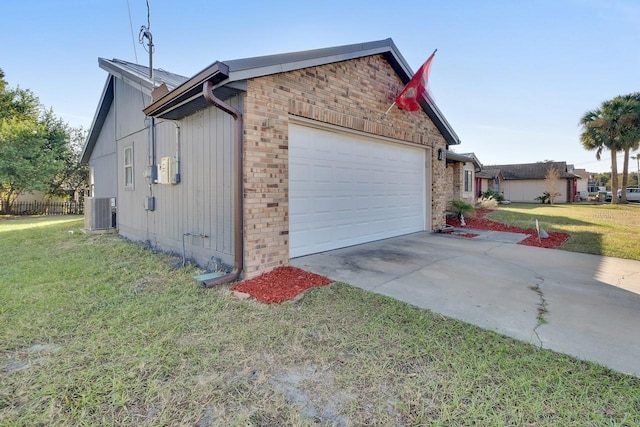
x: 352, y: 94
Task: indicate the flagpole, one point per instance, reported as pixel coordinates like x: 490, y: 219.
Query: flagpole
x: 384, y: 116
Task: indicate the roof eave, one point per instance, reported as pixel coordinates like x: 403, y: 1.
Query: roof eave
x: 461, y: 158
x: 244, y: 69
x: 98, y: 119
x: 186, y: 98
x: 136, y: 80
x: 187, y: 92
x: 248, y: 68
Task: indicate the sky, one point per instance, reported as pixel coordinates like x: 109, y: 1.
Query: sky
x: 512, y: 78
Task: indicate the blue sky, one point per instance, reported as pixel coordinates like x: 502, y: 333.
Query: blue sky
x: 512, y: 77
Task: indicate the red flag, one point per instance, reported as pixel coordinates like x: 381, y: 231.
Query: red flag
x: 414, y: 91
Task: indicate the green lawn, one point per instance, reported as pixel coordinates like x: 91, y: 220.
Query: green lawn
x: 601, y: 229
x: 97, y: 331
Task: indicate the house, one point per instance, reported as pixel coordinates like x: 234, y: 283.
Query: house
x: 254, y: 161
x: 488, y: 179
x: 524, y: 182
x: 582, y: 185
x: 462, y: 170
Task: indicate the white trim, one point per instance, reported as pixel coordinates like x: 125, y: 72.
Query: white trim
x: 303, y: 121
x: 419, y: 199
x: 429, y: 162
x: 126, y: 165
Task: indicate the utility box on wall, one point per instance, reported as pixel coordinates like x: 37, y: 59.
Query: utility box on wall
x: 164, y: 170
x: 150, y: 203
x: 168, y: 171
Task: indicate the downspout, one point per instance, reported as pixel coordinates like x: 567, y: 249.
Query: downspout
x: 207, y: 89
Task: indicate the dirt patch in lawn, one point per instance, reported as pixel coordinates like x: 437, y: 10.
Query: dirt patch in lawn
x: 479, y: 222
x: 281, y: 284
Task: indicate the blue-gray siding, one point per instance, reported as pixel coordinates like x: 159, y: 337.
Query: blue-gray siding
x: 200, y: 203
x: 103, y: 161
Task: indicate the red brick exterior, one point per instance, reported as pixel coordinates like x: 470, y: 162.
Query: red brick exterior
x: 351, y: 94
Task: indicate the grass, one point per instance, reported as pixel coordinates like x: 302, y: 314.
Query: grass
x: 100, y: 331
x: 601, y: 229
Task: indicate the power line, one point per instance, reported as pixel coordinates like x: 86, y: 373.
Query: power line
x: 133, y: 39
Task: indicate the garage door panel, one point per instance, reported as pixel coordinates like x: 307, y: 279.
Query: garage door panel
x: 346, y: 190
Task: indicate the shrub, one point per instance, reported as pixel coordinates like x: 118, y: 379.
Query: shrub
x: 543, y: 198
x: 547, y: 197
x: 460, y: 207
x: 498, y: 197
x: 487, y: 203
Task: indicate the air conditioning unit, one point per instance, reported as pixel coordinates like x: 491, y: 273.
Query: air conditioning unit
x: 99, y: 213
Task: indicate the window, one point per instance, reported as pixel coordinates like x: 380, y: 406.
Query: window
x: 468, y: 181
x: 128, y: 167
x: 92, y: 181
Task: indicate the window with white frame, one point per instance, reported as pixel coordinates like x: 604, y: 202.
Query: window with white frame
x: 128, y: 167
x: 468, y: 181
x: 92, y: 181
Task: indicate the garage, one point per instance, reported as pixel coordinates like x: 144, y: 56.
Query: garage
x: 347, y: 188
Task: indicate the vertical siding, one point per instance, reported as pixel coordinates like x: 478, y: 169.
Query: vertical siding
x: 131, y: 131
x: 104, y: 159
x: 131, y: 213
x: 202, y: 201
x: 129, y: 103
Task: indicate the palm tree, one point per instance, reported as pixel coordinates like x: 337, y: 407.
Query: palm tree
x: 604, y: 128
x: 630, y: 137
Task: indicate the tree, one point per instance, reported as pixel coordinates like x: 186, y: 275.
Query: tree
x: 74, y: 176
x: 17, y: 103
x: 603, y: 177
x: 34, y: 144
x: 551, y: 180
x: 630, y: 137
x: 603, y: 128
x: 26, y: 159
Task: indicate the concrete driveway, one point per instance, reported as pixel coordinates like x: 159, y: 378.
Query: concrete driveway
x: 590, y: 304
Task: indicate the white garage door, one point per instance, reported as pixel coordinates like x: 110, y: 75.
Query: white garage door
x: 345, y: 190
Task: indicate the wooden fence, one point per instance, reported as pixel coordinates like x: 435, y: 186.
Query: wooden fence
x: 43, y: 208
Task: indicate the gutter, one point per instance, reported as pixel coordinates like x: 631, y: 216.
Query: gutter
x: 207, y: 91
x: 188, y: 90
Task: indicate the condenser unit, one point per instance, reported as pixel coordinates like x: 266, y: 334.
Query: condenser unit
x: 99, y: 213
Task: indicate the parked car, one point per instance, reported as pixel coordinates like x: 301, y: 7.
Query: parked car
x: 608, y: 197
x: 633, y: 194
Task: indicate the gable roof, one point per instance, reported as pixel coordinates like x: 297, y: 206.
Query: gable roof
x: 229, y: 78
x: 185, y: 95
x: 135, y: 75
x: 529, y: 170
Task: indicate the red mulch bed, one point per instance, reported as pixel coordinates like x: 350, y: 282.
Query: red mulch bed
x: 555, y: 238
x: 281, y: 284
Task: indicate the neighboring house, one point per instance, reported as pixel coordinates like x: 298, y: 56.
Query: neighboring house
x: 488, y: 179
x: 259, y: 160
x: 37, y: 196
x: 582, y: 185
x: 461, y: 174
x: 525, y: 182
